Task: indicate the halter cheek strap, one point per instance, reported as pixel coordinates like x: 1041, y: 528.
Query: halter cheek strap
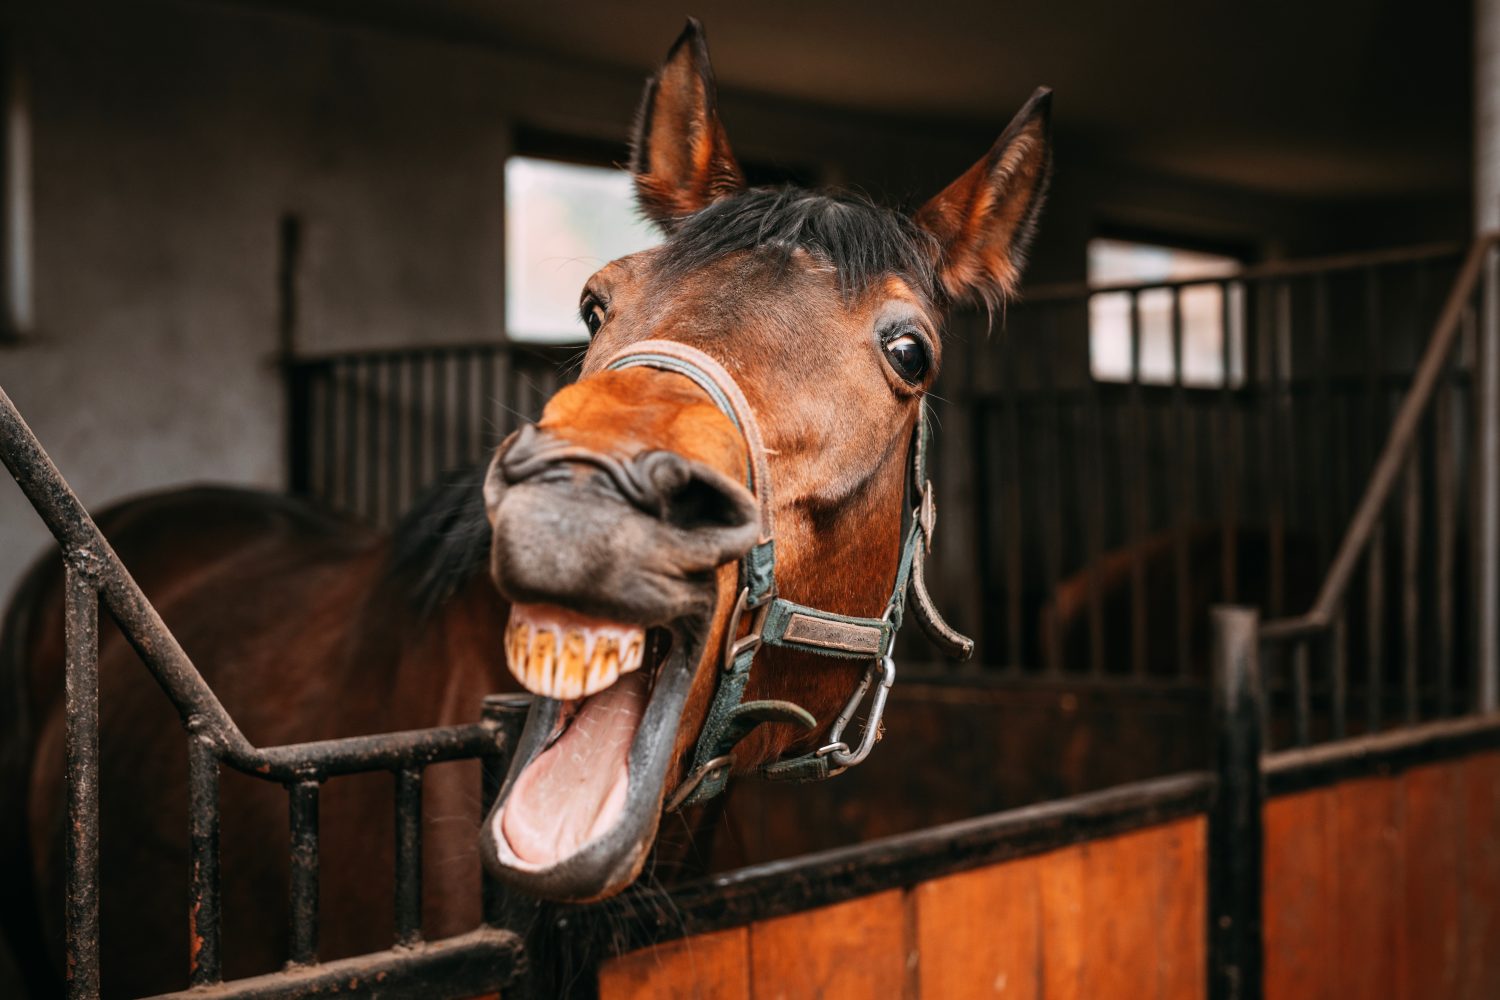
x: 776, y: 621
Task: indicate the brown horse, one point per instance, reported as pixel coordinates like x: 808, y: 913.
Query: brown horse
x: 617, y: 525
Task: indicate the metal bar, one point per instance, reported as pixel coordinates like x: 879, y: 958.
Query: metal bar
x: 416, y: 439
x: 439, y: 427
x: 1411, y: 529
x: 1393, y: 454
x: 1445, y: 497
x: 303, y: 801
x: 1230, y: 443
x: 1339, y: 668
x: 348, y: 377
x: 1014, y: 514
x: 1301, y: 694
x: 1078, y: 291
x: 986, y: 504
x: 1182, y: 512
x: 203, y: 864
x: 328, y: 427
x: 1487, y: 549
x: 1052, y: 513
x: 463, y: 434
x: 505, y: 715
x: 1322, y: 468
x: 373, y: 426
x: 395, y: 505
x: 1137, y: 498
x: 479, y: 963
x: 408, y: 856
x: 81, y: 746
x: 1234, y: 819
x: 1375, y: 629
x: 1091, y: 477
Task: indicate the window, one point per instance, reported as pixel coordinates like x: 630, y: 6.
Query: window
x: 563, y: 221
x: 1115, y: 262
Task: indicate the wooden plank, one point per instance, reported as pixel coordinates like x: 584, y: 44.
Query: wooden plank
x: 1061, y: 889
x: 1298, y: 895
x: 1479, y: 968
x: 1368, y: 894
x: 1122, y: 888
x: 706, y: 967
x: 852, y: 950
x: 1182, y: 946
x: 978, y: 933
x: 1430, y: 886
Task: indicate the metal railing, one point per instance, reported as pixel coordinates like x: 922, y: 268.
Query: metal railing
x: 477, y: 962
x: 1432, y: 588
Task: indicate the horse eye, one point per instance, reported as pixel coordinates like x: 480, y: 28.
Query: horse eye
x: 593, y: 314
x: 908, y: 355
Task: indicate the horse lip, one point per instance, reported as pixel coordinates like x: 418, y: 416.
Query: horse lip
x: 610, y: 863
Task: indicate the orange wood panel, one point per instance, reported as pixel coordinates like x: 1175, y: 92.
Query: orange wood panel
x: 855, y: 950
x: 1479, y: 949
x: 1060, y: 881
x: 1300, y: 889
x: 1182, y: 946
x: 1368, y: 889
x: 706, y: 967
x: 978, y: 933
x: 1122, y: 893
x: 1430, y: 916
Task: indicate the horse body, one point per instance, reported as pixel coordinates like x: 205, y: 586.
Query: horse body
x: 305, y: 630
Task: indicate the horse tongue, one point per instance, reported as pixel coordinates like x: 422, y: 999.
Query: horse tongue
x: 575, y: 790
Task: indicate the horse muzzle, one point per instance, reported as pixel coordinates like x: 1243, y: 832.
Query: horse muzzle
x: 609, y: 561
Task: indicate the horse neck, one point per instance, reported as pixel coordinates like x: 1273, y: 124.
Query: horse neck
x: 449, y: 659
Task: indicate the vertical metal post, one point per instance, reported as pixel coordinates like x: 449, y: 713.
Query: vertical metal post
x: 203, y: 866
x: 1234, y: 822
x: 1488, y: 549
x: 408, y: 856
x: 81, y: 740
x: 303, y: 796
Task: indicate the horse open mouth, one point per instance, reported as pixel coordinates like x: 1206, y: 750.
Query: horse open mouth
x: 580, y: 805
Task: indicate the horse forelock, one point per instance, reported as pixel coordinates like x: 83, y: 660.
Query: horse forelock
x: 863, y: 242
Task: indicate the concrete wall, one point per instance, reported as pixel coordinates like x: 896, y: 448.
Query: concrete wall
x: 170, y: 139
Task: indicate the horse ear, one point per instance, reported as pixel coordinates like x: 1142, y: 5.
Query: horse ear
x: 983, y: 222
x: 680, y: 155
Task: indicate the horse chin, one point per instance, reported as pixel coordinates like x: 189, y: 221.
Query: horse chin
x: 580, y: 806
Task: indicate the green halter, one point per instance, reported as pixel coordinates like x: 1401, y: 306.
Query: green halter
x: 775, y: 621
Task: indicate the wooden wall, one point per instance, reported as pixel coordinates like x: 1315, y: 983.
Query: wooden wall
x: 1386, y: 887
x: 1122, y: 916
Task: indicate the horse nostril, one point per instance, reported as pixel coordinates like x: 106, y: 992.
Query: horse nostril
x: 690, y: 496
x: 513, y: 460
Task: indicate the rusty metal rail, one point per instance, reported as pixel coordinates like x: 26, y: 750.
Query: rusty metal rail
x: 483, y: 960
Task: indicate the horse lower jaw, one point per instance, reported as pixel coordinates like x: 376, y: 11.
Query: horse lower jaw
x: 580, y: 807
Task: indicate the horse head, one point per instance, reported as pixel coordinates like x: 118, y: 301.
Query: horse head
x: 707, y: 538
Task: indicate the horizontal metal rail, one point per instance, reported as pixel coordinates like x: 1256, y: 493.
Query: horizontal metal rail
x: 1080, y: 291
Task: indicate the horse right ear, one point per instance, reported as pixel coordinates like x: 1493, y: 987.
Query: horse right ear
x: 680, y: 155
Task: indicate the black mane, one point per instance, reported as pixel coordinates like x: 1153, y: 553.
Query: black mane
x: 443, y: 542
x: 863, y: 242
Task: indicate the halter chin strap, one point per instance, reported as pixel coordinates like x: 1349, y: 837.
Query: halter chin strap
x: 775, y: 621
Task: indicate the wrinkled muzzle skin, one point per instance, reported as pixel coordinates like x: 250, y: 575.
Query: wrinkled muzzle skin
x: 617, y: 522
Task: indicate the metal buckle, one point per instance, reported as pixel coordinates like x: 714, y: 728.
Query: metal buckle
x: 734, y: 643
x: 837, y: 751
x: 692, y: 781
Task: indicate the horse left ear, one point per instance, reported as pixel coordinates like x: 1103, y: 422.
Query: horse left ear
x: 983, y: 222
x: 680, y: 155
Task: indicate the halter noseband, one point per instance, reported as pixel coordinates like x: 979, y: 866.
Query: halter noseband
x: 776, y: 621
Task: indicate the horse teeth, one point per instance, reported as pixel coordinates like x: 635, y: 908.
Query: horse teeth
x: 560, y: 654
